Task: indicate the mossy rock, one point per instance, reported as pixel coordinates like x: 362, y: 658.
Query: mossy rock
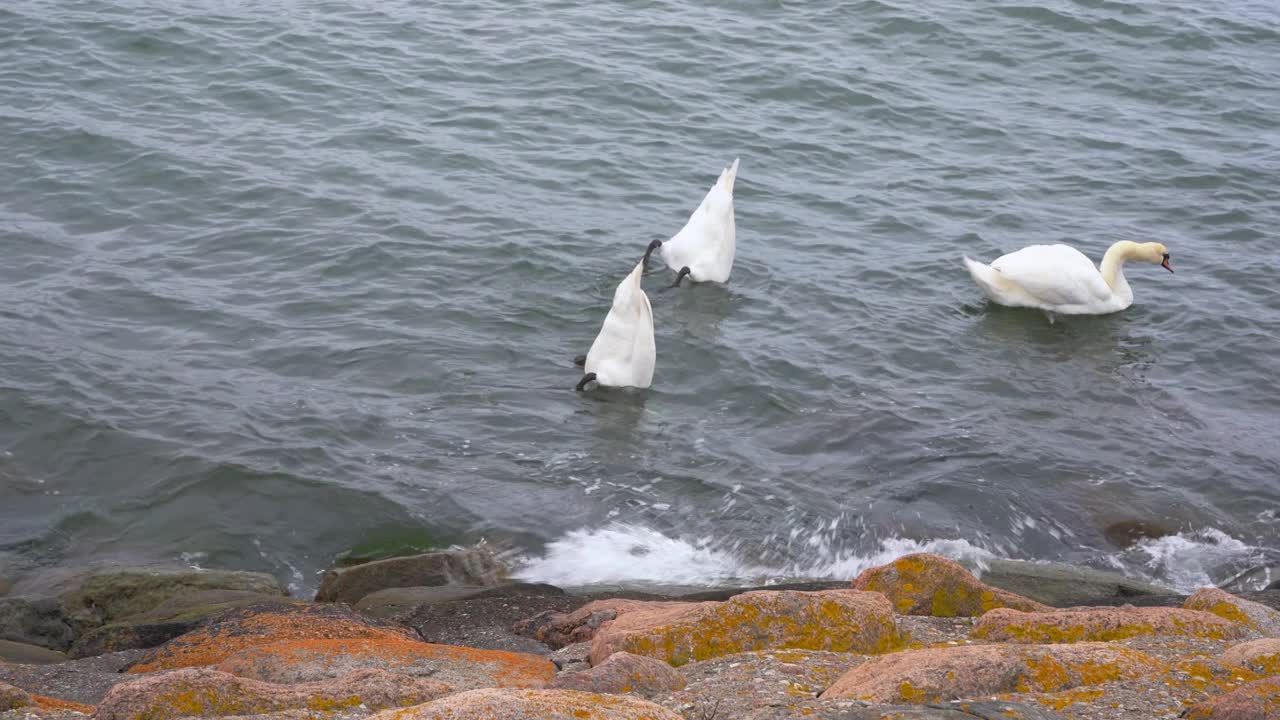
x: 351, y: 584
x: 113, y: 596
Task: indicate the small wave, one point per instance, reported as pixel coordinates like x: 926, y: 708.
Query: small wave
x: 1202, y: 558
x: 622, y: 553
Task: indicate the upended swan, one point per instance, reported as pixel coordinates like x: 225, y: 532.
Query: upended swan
x: 623, y: 353
x: 1060, y: 279
x: 704, y: 247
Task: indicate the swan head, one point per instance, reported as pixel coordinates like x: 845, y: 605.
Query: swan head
x: 1155, y: 253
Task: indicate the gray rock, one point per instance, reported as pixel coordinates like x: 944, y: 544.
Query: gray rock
x: 455, y: 567
x: 35, y: 621
x: 22, y: 653
x: 951, y: 711
x: 1064, y: 585
x: 572, y: 658
x: 83, y: 681
x: 394, y: 601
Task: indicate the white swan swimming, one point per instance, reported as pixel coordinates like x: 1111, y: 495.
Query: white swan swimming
x: 623, y: 354
x: 704, y: 247
x: 1060, y: 279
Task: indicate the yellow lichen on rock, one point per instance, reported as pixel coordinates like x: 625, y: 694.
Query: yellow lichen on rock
x: 1253, y: 615
x: 1101, y: 625
x: 927, y: 584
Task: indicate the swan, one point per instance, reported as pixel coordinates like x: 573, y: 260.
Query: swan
x: 704, y: 247
x: 1060, y: 279
x: 623, y: 353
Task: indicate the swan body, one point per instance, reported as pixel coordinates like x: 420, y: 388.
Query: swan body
x: 623, y: 354
x: 707, y: 242
x: 1060, y: 279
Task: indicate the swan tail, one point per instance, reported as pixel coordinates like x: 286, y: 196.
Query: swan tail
x: 984, y: 275
x: 728, y: 176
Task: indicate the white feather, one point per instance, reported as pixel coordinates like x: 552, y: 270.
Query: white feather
x: 707, y: 242
x: 623, y: 354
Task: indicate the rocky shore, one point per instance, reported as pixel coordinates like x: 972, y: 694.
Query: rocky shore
x: 444, y: 635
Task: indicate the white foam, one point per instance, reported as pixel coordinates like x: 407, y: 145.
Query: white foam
x: 1199, y: 558
x: 622, y: 553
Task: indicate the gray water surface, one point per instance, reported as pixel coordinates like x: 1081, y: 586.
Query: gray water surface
x: 280, y: 276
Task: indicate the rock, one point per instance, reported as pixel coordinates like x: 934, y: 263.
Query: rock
x: 623, y: 672
x: 177, y: 615
x: 557, y: 629
x: 1063, y: 585
x: 82, y: 681
x: 1225, y: 605
x: 1106, y: 624
x: 1273, y: 586
x: 463, y: 668
x: 35, y: 622
x: 112, y: 596
x: 511, y: 704
x: 201, y: 692
x: 485, y: 620
x: 12, y: 698
x: 1129, y: 532
x: 836, y: 620
x: 927, y: 584
x: 992, y: 710
x: 1270, y: 598
x: 16, y: 652
x: 965, y: 671
x: 351, y: 584
x: 393, y: 602
x: 1259, y: 655
x: 255, y: 625
x: 1259, y: 700
x: 722, y: 594
x: 572, y: 658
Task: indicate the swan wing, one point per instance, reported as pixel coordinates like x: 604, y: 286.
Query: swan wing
x: 623, y: 353
x: 1054, y: 275
x: 706, y: 243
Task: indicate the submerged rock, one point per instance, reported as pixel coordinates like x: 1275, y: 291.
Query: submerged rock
x: 678, y: 633
x: 510, y: 704
x: 463, y: 668
x: 352, y: 584
x: 200, y: 692
x: 927, y: 584
x: 1064, y: 585
x: 1104, y: 624
x: 623, y: 672
x: 1259, y: 700
x: 1225, y: 605
x: 255, y: 625
x: 35, y: 621
x: 967, y: 671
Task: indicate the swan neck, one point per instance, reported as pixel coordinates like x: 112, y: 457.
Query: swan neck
x: 1112, y: 268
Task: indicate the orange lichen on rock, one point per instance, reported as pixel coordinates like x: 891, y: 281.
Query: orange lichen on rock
x: 200, y: 692
x: 253, y: 626
x: 833, y: 620
x: 1246, y: 612
x: 1101, y: 624
x: 941, y: 674
x: 49, y: 703
x: 1258, y: 700
x: 927, y: 584
x: 517, y: 704
x: 462, y: 667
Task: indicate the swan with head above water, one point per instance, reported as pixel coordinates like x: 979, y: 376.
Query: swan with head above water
x: 1061, y: 279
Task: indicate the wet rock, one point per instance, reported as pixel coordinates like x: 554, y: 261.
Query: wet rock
x: 200, y: 692
x: 35, y: 622
x: 572, y: 658
x: 485, y: 620
x: 1064, y: 585
x: 623, y: 672
x: 23, y: 653
x: 1225, y: 605
x: 463, y: 668
x: 255, y: 625
x: 12, y: 698
x: 1129, y: 532
x: 352, y: 584
x: 113, y: 596
x: 558, y: 629
x: 1105, y: 624
x: 177, y: 615
x: 1259, y: 700
x: 510, y: 704
x: 927, y: 584
x: 1259, y: 655
x: 394, y: 602
x: 836, y: 620
x: 965, y: 671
